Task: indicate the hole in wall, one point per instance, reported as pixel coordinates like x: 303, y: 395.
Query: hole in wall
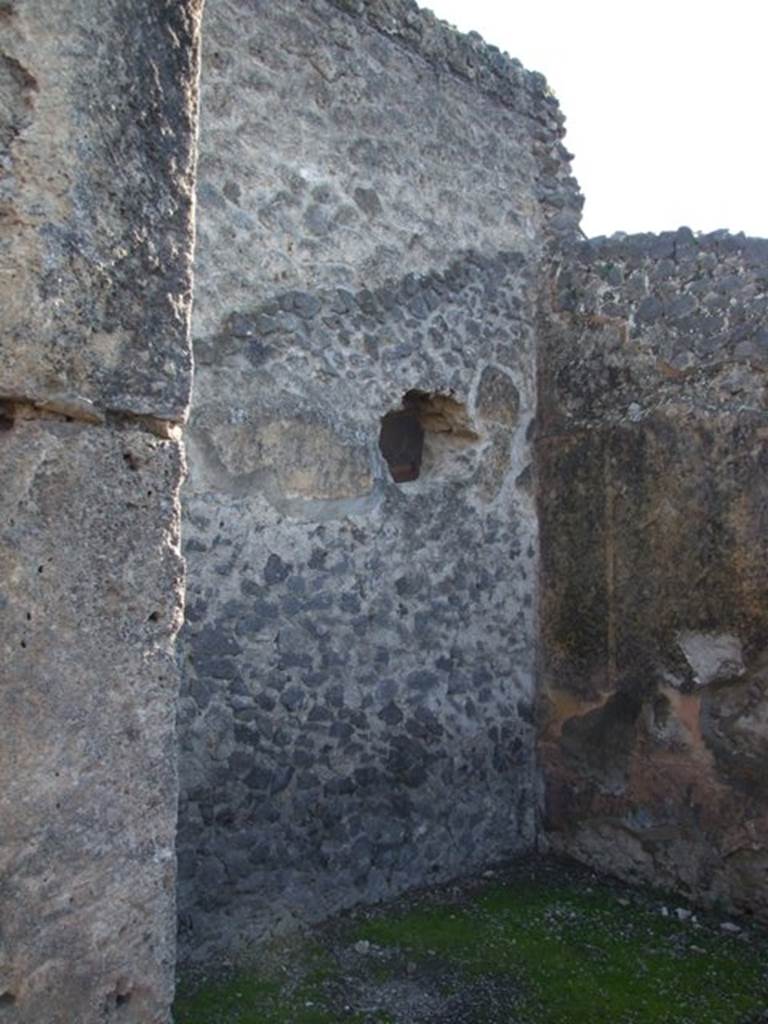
x: 418, y: 435
x: 7, y: 415
x: 401, y: 441
x: 661, y: 710
x: 118, y: 999
x: 7, y: 999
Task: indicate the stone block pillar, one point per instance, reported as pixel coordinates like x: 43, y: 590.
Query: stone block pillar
x: 97, y: 126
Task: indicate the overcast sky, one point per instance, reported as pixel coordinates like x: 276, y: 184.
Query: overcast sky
x: 666, y: 103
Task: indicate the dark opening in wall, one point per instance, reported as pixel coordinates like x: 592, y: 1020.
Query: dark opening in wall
x: 422, y: 417
x: 402, y: 444
x: 7, y: 414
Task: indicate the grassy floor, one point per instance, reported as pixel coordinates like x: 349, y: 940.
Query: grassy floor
x: 538, y: 944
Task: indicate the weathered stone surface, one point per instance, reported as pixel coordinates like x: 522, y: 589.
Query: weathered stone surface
x: 97, y: 126
x: 379, y: 197
x: 498, y: 399
x: 653, y: 496
x: 98, y: 106
x: 357, y: 651
x: 343, y: 146
x: 90, y: 595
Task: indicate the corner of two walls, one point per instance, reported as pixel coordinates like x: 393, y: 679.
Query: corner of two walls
x: 651, y: 458
x: 379, y: 199
x: 95, y: 246
x: 357, y: 713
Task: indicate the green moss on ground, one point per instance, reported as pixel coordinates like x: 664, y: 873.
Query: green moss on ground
x: 540, y: 944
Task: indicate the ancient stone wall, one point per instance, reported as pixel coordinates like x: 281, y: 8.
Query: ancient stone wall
x: 653, y: 500
x: 444, y: 460
x: 375, y: 193
x: 97, y: 110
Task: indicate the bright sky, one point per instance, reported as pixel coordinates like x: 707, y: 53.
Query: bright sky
x: 666, y: 102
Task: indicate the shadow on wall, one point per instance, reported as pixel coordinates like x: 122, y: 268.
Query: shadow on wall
x: 426, y: 428
x: 653, y: 505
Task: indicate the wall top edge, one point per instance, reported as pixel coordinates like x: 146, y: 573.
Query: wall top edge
x: 465, y: 54
x: 671, y: 244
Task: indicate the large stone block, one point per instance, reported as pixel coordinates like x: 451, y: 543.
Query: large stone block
x: 90, y: 600
x: 97, y: 108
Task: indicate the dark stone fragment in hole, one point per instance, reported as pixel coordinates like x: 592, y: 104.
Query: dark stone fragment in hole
x: 402, y: 444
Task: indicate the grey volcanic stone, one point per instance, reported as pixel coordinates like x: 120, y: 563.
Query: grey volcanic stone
x: 362, y: 606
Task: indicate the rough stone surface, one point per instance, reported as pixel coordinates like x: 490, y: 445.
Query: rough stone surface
x: 90, y: 595
x: 96, y: 132
x: 653, y: 498
x: 358, y: 663
x: 347, y: 144
x: 97, y: 120
x: 387, y: 225
x: 358, y: 655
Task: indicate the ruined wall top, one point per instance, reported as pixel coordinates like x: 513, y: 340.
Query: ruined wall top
x: 497, y: 75
x: 467, y: 55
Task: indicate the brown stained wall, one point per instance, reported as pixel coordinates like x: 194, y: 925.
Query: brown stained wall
x: 654, y: 534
